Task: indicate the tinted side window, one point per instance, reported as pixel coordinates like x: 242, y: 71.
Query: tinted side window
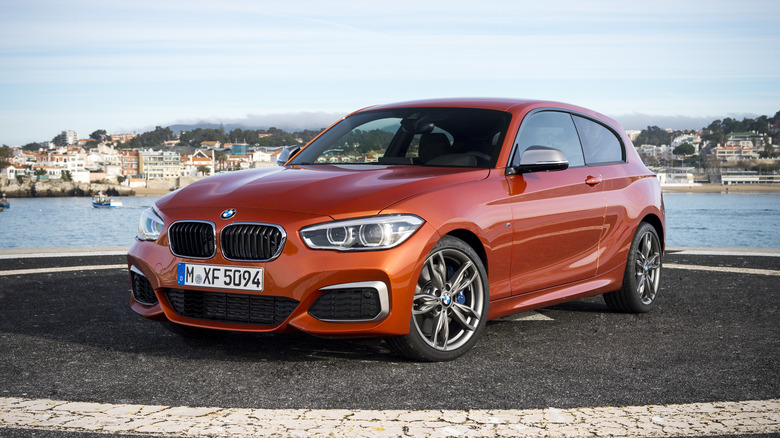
x: 599, y: 143
x: 552, y: 129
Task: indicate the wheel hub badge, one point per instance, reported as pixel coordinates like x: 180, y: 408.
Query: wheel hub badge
x: 227, y: 214
x: 446, y: 298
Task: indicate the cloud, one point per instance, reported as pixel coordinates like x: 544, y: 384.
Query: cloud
x: 642, y: 121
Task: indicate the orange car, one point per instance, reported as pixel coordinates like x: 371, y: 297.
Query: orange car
x: 415, y: 222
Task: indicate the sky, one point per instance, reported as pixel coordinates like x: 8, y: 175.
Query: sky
x: 128, y: 66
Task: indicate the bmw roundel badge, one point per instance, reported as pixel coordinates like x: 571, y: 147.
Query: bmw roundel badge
x: 227, y: 214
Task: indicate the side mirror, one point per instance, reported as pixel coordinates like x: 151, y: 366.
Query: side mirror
x: 286, y: 153
x: 539, y: 159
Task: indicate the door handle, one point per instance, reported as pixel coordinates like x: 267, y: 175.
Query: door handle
x: 593, y: 181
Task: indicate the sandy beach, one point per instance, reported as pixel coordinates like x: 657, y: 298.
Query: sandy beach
x: 142, y: 191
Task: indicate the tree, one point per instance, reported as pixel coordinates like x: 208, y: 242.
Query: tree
x: 99, y: 135
x: 151, y: 139
x: 66, y: 176
x: 5, y: 154
x: 684, y: 149
x: 649, y: 160
x: 655, y: 135
x: 204, y: 170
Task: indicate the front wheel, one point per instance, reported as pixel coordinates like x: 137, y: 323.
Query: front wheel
x: 450, y: 305
x: 642, y: 275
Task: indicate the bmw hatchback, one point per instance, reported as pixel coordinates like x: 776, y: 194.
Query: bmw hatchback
x: 414, y: 222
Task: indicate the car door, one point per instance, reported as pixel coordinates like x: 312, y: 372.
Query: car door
x: 557, y: 216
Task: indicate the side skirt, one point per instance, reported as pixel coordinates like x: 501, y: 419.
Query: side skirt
x: 606, y: 282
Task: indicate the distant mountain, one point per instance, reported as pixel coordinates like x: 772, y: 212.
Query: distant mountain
x: 290, y: 122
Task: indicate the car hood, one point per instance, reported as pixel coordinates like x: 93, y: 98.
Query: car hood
x: 330, y: 190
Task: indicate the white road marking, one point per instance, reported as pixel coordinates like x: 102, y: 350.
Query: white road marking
x: 747, y: 252
x: 720, y: 418
x: 7, y: 254
x: 62, y: 269
x: 526, y: 316
x: 728, y: 269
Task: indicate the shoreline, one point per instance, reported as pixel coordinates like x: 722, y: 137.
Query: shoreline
x: 143, y: 191
x: 138, y: 192
x: 704, y: 188
x: 719, y: 188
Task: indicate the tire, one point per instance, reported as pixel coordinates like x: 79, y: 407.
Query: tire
x: 642, y: 275
x: 450, y: 306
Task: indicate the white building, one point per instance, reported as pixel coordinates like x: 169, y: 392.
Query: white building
x: 191, y: 163
x: 11, y: 171
x: 160, y: 164
x: 266, y: 155
x: 691, y: 139
x: 677, y: 176
x: 69, y: 137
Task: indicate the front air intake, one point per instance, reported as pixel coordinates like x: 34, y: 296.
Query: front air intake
x: 230, y: 307
x: 353, y: 304
x: 143, y: 292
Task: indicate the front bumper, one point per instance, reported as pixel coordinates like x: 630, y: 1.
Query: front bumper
x: 325, y: 293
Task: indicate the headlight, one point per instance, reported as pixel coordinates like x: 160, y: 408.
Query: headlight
x: 150, y: 226
x: 379, y: 232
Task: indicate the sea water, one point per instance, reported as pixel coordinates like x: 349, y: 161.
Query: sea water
x: 70, y: 222
x: 723, y: 220
x: 718, y: 220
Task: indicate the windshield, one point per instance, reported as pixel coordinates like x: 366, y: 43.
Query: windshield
x: 455, y: 137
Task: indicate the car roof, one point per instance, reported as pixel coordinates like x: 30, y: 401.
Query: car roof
x: 515, y: 106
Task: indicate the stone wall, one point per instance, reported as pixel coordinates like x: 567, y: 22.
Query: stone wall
x: 54, y: 188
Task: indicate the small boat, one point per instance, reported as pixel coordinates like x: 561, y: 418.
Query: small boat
x: 4, y: 203
x: 102, y: 201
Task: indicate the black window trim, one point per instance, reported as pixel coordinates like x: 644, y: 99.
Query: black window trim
x: 571, y: 113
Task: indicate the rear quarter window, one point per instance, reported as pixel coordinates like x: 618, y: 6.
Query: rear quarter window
x: 600, y: 144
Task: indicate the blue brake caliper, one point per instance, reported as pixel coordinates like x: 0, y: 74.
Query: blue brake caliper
x: 460, y: 298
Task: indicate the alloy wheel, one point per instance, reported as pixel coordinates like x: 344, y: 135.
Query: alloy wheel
x: 448, y: 300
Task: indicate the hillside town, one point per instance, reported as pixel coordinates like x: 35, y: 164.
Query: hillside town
x: 107, y: 163
x: 690, y: 158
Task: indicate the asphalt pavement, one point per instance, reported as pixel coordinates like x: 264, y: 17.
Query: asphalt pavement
x: 714, y: 336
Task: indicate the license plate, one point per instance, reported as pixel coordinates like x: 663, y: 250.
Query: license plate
x: 223, y: 277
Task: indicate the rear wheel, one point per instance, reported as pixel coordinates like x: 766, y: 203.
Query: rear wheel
x: 450, y: 305
x: 642, y: 275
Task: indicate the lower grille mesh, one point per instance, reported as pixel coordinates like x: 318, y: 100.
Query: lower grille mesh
x: 143, y: 292
x: 235, y: 308
x: 360, y: 304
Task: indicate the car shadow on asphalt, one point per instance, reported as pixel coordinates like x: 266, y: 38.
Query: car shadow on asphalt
x: 93, y: 310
